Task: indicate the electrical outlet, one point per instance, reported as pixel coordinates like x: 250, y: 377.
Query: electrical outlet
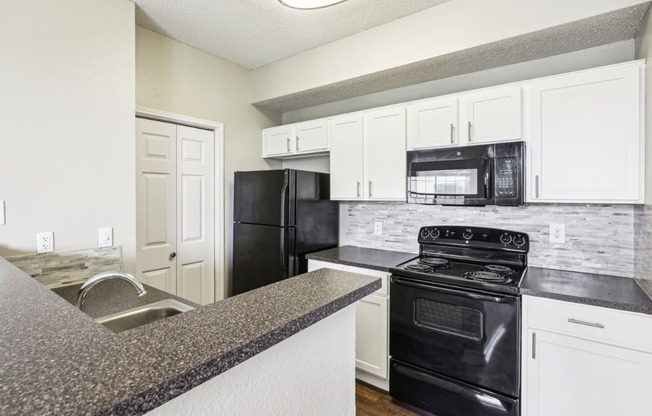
x: 2, y: 213
x: 557, y: 233
x: 378, y: 228
x: 45, y: 242
x: 105, y: 237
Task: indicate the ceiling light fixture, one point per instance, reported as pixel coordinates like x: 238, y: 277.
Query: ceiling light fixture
x: 309, y: 4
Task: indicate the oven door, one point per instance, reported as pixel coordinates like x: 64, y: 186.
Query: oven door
x: 467, y: 335
x: 450, y: 182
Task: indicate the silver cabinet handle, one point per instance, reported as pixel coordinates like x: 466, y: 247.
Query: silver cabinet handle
x: 470, y: 131
x: 534, y: 345
x: 297, y: 143
x: 452, y: 129
x: 369, y: 189
x: 288, y: 145
x: 591, y: 324
x: 358, y: 189
x: 536, y: 185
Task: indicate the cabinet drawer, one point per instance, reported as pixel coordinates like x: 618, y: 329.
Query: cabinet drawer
x: 625, y: 329
x: 384, y: 276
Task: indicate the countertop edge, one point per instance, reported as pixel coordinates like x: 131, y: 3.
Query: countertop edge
x: 156, y: 396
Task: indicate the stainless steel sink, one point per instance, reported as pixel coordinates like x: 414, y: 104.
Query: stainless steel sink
x: 142, y: 315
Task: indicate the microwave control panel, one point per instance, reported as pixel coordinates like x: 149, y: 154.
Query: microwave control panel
x: 506, y: 178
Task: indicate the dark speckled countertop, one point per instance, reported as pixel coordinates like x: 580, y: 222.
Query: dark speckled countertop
x: 56, y: 360
x: 368, y: 258
x: 590, y: 289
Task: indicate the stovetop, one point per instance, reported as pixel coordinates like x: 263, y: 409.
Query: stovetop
x: 469, y: 257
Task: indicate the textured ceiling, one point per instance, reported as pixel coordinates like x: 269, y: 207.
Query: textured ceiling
x: 594, y: 31
x: 254, y: 33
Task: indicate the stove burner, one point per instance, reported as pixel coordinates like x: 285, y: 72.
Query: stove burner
x: 419, y: 268
x: 483, y: 276
x: 495, y: 268
x: 435, y: 262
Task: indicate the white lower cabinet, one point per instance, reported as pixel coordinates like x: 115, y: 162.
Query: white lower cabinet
x: 372, y: 327
x: 572, y: 366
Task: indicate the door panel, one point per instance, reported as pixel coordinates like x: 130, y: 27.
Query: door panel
x: 347, y: 157
x: 312, y: 136
x: 278, y: 141
x: 371, y: 353
x: 432, y: 124
x: 385, y: 163
x: 263, y: 197
x: 493, y: 115
x: 156, y: 203
x: 195, y: 214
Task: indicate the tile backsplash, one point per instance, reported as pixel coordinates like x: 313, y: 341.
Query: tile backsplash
x: 55, y: 269
x: 599, y: 238
x: 643, y: 241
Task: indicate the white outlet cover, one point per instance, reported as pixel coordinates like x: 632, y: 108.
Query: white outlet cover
x: 105, y: 237
x: 2, y: 213
x: 45, y: 242
x: 378, y: 228
x: 557, y: 233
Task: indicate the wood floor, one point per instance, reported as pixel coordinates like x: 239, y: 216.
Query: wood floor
x: 371, y: 401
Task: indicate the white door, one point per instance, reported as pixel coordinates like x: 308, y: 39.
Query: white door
x: 385, y: 155
x: 586, y: 138
x: 311, y: 136
x: 432, y: 124
x: 156, y: 239
x: 371, y: 353
x: 278, y: 141
x: 568, y: 376
x: 175, y: 209
x: 492, y: 115
x: 347, y: 157
x: 195, y: 215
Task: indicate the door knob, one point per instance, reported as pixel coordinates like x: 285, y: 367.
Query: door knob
x: 173, y: 255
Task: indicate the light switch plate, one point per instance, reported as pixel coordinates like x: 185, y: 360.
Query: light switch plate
x: 45, y: 242
x: 105, y: 237
x: 2, y: 213
x: 378, y: 228
x: 557, y: 233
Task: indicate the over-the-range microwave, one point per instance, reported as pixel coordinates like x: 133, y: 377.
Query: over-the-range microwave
x: 491, y: 174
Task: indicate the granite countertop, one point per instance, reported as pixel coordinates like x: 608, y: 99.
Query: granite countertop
x: 368, y: 258
x: 590, y: 289
x: 56, y: 360
x: 605, y: 291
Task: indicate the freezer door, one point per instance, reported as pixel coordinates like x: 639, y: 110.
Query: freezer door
x: 264, y: 197
x: 317, y: 217
x: 262, y: 255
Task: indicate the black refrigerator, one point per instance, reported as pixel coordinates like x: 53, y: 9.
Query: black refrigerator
x: 279, y: 217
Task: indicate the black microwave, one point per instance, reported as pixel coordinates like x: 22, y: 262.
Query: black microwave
x: 491, y: 174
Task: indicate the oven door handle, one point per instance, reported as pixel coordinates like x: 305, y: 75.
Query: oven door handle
x: 472, y: 295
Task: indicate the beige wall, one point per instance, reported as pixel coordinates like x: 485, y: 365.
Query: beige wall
x: 450, y: 27
x: 66, y: 143
x: 174, y: 77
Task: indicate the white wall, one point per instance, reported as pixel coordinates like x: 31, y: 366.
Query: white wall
x: 310, y: 373
x: 67, y: 88
x: 450, y: 27
x: 174, y: 77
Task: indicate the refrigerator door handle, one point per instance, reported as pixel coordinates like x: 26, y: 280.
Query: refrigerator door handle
x: 284, y: 194
x: 284, y: 257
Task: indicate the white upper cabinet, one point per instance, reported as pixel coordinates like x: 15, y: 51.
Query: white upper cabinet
x: 385, y: 158
x: 432, y: 124
x: 492, y: 115
x: 295, y: 140
x: 587, y: 137
x: 347, y: 157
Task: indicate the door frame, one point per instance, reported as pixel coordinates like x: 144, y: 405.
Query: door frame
x: 217, y: 128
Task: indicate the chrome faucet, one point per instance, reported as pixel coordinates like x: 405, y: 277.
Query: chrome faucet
x: 100, y: 277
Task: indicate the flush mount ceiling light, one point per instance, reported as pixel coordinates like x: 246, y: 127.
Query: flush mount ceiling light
x: 309, y: 4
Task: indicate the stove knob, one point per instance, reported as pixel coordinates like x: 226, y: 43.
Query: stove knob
x: 505, y: 238
x: 434, y: 233
x: 424, y: 233
x: 519, y: 240
x: 467, y: 235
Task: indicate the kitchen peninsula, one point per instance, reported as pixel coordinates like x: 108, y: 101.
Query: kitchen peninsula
x: 55, y: 359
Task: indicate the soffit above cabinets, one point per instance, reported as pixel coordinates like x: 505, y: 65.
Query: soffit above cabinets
x: 252, y: 33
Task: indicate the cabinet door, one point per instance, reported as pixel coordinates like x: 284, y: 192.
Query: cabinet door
x: 432, y: 124
x: 492, y: 116
x: 311, y: 136
x: 278, y: 141
x: 567, y: 376
x: 371, y: 354
x: 587, y: 142
x: 385, y: 155
x: 347, y: 157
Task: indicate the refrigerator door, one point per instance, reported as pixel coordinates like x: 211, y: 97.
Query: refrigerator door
x: 265, y: 197
x: 262, y: 255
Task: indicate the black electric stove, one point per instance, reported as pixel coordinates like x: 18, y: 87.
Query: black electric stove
x: 478, y: 258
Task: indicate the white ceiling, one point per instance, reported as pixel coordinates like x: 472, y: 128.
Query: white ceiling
x: 254, y: 33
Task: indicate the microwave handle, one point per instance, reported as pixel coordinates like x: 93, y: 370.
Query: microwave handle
x: 489, y: 168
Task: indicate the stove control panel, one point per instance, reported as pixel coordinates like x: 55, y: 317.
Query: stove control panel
x: 475, y: 237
